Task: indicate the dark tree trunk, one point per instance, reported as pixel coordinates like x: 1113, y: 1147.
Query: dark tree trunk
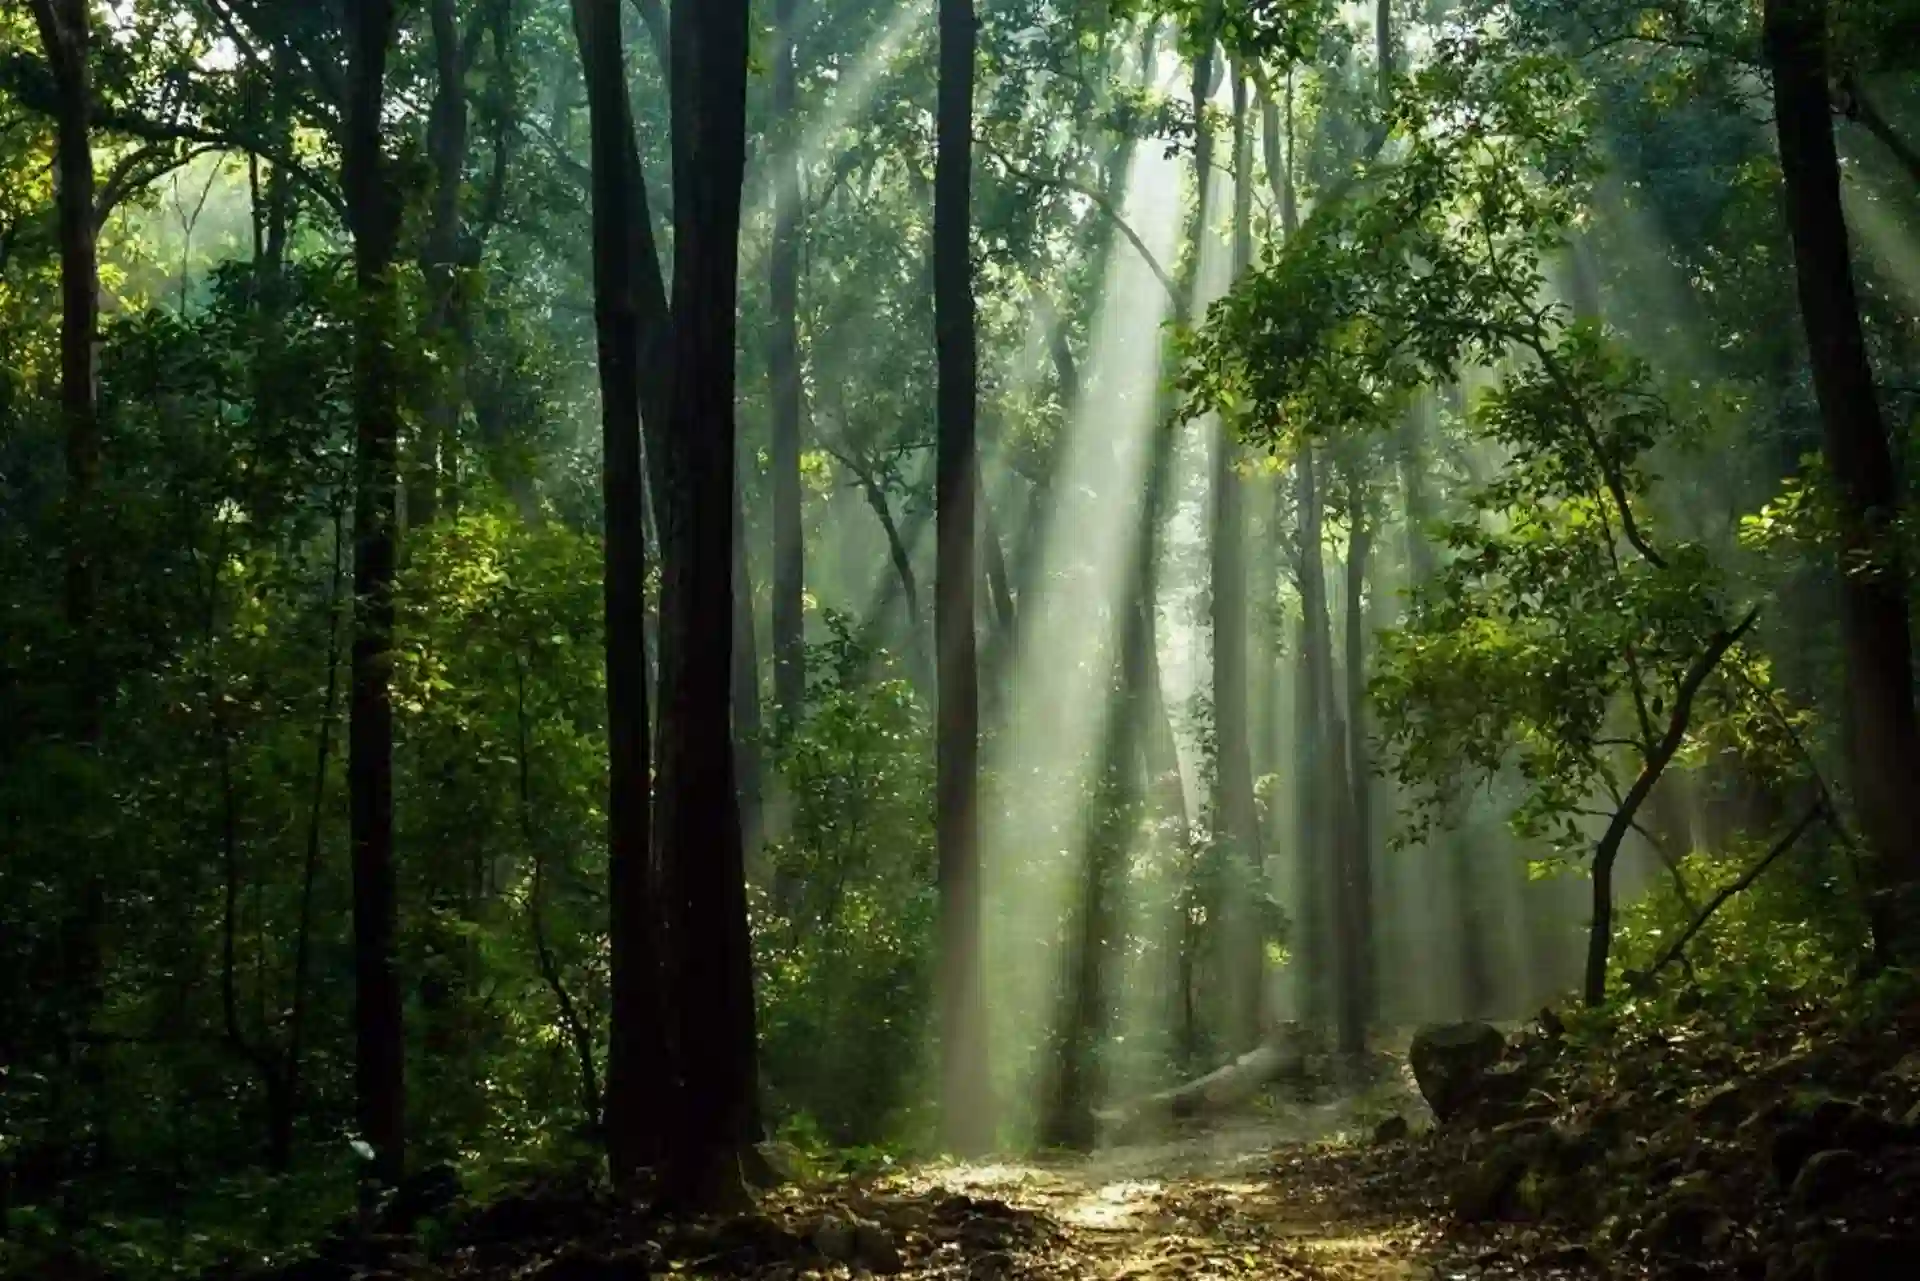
x: 994, y: 565
x: 447, y: 149
x: 638, y: 1078
x: 373, y: 206
x: 1659, y: 755
x: 966, y: 1121
x: 1882, y: 734
x: 65, y: 34
x: 697, y: 830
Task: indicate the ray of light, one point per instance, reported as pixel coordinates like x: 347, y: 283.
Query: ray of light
x: 1059, y: 700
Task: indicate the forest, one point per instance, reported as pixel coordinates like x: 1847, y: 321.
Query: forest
x: 962, y: 638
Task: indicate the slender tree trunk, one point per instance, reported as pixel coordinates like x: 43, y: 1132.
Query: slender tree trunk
x: 639, y: 1079
x: 1234, y: 804
x: 1320, y: 805
x: 749, y: 733
x: 1470, y: 934
x: 1659, y: 755
x: 697, y: 830
x: 283, y: 1103
x: 65, y: 34
x: 447, y: 146
x: 966, y: 1120
x: 373, y: 205
x: 1882, y: 732
x: 1359, y: 870
x: 783, y: 366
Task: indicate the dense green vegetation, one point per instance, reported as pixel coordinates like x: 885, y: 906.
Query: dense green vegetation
x: 587, y: 584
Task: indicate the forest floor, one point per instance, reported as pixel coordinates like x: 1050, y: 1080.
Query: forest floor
x: 1277, y: 1194
x: 1244, y: 1198
x: 1283, y: 1194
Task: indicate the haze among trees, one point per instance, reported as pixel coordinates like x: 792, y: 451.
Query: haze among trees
x: 636, y: 586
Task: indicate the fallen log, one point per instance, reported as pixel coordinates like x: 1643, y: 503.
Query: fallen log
x: 1284, y: 1054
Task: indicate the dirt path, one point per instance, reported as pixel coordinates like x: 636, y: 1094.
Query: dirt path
x: 1251, y: 1199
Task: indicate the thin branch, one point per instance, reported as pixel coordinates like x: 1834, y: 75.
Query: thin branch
x: 1752, y: 874
x: 1105, y: 206
x: 136, y: 126
x: 1857, y: 107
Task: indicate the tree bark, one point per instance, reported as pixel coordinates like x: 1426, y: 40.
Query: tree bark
x: 783, y: 369
x: 1470, y: 937
x: 966, y: 1121
x: 697, y: 830
x: 1359, y: 852
x: 447, y: 146
x: 639, y: 1080
x: 1660, y: 755
x: 749, y: 731
x: 1882, y: 732
x: 1322, y: 796
x: 373, y: 205
x: 1234, y: 803
x: 66, y: 37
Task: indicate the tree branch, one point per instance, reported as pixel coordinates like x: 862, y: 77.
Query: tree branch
x: 1858, y: 108
x: 1752, y: 874
x: 1105, y: 206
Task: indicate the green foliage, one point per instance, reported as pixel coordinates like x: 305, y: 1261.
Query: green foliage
x: 842, y: 935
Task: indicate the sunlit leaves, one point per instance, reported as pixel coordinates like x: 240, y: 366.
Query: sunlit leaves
x: 1432, y: 261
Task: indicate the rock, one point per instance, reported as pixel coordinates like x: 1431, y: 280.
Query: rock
x: 1827, y: 1177
x: 1502, y: 1091
x: 1449, y: 1062
x: 1866, y: 1256
x: 1792, y: 1145
x: 1392, y: 1130
x: 874, y: 1250
x: 1725, y: 1106
x: 582, y: 1266
x: 1487, y: 1191
x: 783, y: 1160
x: 835, y: 1239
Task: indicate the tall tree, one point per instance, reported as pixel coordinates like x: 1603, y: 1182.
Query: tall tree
x: 637, y: 1078
x: 1882, y: 731
x: 65, y: 33
x: 373, y: 211
x: 967, y: 1125
x: 783, y: 371
x: 697, y: 829
x: 1234, y: 802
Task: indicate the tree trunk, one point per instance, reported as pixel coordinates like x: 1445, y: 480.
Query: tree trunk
x: 639, y: 1079
x: 1321, y: 804
x: 65, y: 34
x: 1359, y: 858
x: 697, y: 812
x: 1470, y: 935
x: 447, y: 145
x: 1234, y: 804
x: 1882, y: 733
x: 966, y: 1121
x: 1659, y: 756
x: 783, y: 367
x: 373, y: 206
x: 749, y: 734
